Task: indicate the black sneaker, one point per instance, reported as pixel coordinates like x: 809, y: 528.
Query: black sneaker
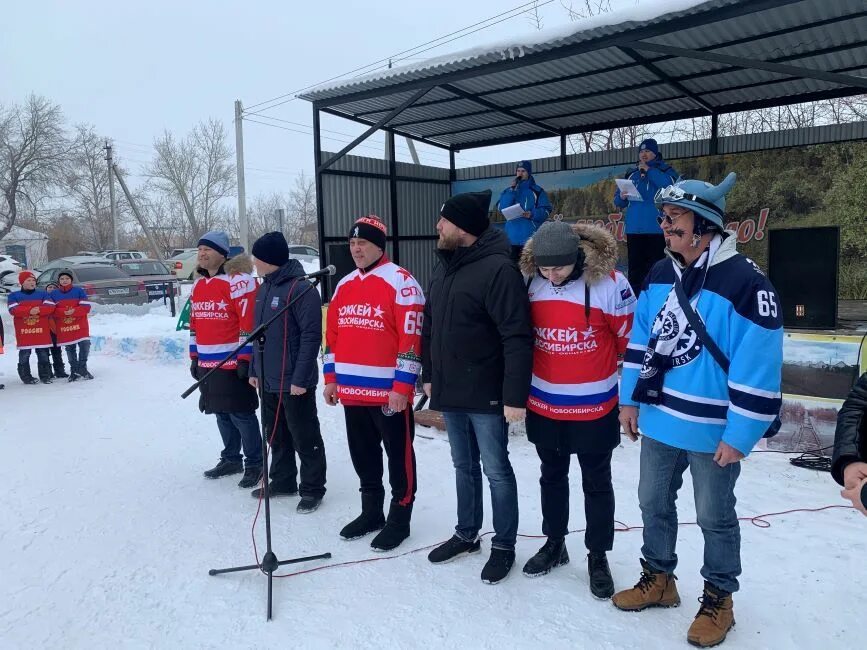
x: 550, y: 556
x: 498, y: 566
x: 362, y: 525
x: 390, y: 537
x: 276, y: 491
x: 454, y: 548
x: 601, y: 583
x: 252, y: 476
x: 225, y: 468
x: 308, y: 504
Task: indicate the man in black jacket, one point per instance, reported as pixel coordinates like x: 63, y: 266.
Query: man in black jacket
x: 289, y: 395
x: 849, y: 464
x: 477, y: 353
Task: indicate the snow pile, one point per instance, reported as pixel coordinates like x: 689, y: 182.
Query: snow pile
x: 145, y: 332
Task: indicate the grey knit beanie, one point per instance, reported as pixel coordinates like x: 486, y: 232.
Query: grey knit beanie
x: 555, y: 244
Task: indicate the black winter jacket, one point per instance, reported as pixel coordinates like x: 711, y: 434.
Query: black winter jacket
x: 300, y: 328
x: 228, y: 391
x: 850, y: 440
x: 477, y: 343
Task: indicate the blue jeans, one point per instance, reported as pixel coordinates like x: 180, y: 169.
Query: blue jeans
x: 239, y: 429
x: 480, y: 435
x: 661, y: 477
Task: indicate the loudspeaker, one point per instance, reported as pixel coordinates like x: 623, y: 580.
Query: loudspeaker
x: 803, y: 266
x: 339, y: 256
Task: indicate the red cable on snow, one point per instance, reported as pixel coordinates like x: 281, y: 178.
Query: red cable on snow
x: 759, y: 521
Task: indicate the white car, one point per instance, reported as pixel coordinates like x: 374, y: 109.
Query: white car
x: 183, y: 265
x: 9, y: 268
x: 124, y: 255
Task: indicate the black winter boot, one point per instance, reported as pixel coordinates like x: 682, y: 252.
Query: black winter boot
x: 396, y: 529
x: 252, y: 476
x: 370, y: 520
x: 44, y: 370
x: 25, y: 374
x: 225, y: 468
x: 83, y: 371
x: 57, y: 362
x: 498, y: 566
x: 73, y: 372
x: 453, y: 548
x: 601, y: 583
x: 276, y: 490
x: 550, y: 556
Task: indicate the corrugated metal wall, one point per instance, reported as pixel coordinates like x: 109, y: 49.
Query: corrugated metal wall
x: 361, y: 186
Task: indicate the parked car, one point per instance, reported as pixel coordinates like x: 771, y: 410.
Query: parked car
x: 104, y: 283
x: 157, y: 278
x: 124, y: 255
x: 89, y: 253
x: 72, y: 260
x: 183, y: 265
x: 9, y: 267
x: 299, y: 251
x: 178, y: 251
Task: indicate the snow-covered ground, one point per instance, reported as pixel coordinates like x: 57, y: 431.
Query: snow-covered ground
x: 107, y: 532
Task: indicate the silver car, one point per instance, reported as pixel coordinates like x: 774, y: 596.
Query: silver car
x: 104, y: 283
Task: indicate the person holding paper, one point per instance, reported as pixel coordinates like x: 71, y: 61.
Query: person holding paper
x: 644, y: 242
x: 525, y: 193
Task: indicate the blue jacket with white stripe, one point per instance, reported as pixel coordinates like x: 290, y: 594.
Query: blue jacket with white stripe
x: 701, y: 405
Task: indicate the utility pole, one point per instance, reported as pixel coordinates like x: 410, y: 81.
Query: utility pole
x: 158, y: 254
x: 111, y: 193
x: 281, y: 218
x: 239, y: 165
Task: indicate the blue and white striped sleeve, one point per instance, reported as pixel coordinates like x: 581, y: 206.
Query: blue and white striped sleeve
x: 755, y: 371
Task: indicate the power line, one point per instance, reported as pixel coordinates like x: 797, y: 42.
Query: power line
x: 525, y: 7
x: 403, y: 148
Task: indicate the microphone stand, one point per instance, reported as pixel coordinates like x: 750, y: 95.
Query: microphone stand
x: 269, y: 562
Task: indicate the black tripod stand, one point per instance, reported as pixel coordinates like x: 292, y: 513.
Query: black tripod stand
x: 269, y: 560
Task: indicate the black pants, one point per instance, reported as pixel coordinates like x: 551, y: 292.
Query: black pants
x: 297, y: 432
x: 366, y: 427
x: 77, y: 353
x: 598, y: 497
x: 643, y: 252
x: 42, y: 355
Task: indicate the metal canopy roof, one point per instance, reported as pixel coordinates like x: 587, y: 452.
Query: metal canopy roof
x: 713, y: 57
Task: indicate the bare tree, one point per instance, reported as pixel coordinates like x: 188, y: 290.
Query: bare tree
x: 301, y: 209
x: 586, y: 9
x: 197, y: 171
x: 535, y: 17
x: 34, y: 148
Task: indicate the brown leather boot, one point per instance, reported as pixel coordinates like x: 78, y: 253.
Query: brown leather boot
x: 714, y: 619
x: 654, y: 589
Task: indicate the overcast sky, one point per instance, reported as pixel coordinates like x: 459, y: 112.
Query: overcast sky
x: 138, y: 67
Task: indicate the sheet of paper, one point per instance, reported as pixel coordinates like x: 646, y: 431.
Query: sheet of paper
x: 628, y: 189
x: 513, y: 212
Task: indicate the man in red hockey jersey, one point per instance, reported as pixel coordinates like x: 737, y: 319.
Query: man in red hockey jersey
x: 221, y: 317
x: 372, y: 360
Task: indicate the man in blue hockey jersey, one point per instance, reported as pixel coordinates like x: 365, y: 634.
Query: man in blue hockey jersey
x: 524, y: 191
x: 693, y: 412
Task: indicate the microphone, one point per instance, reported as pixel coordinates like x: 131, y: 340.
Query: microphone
x: 328, y: 270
